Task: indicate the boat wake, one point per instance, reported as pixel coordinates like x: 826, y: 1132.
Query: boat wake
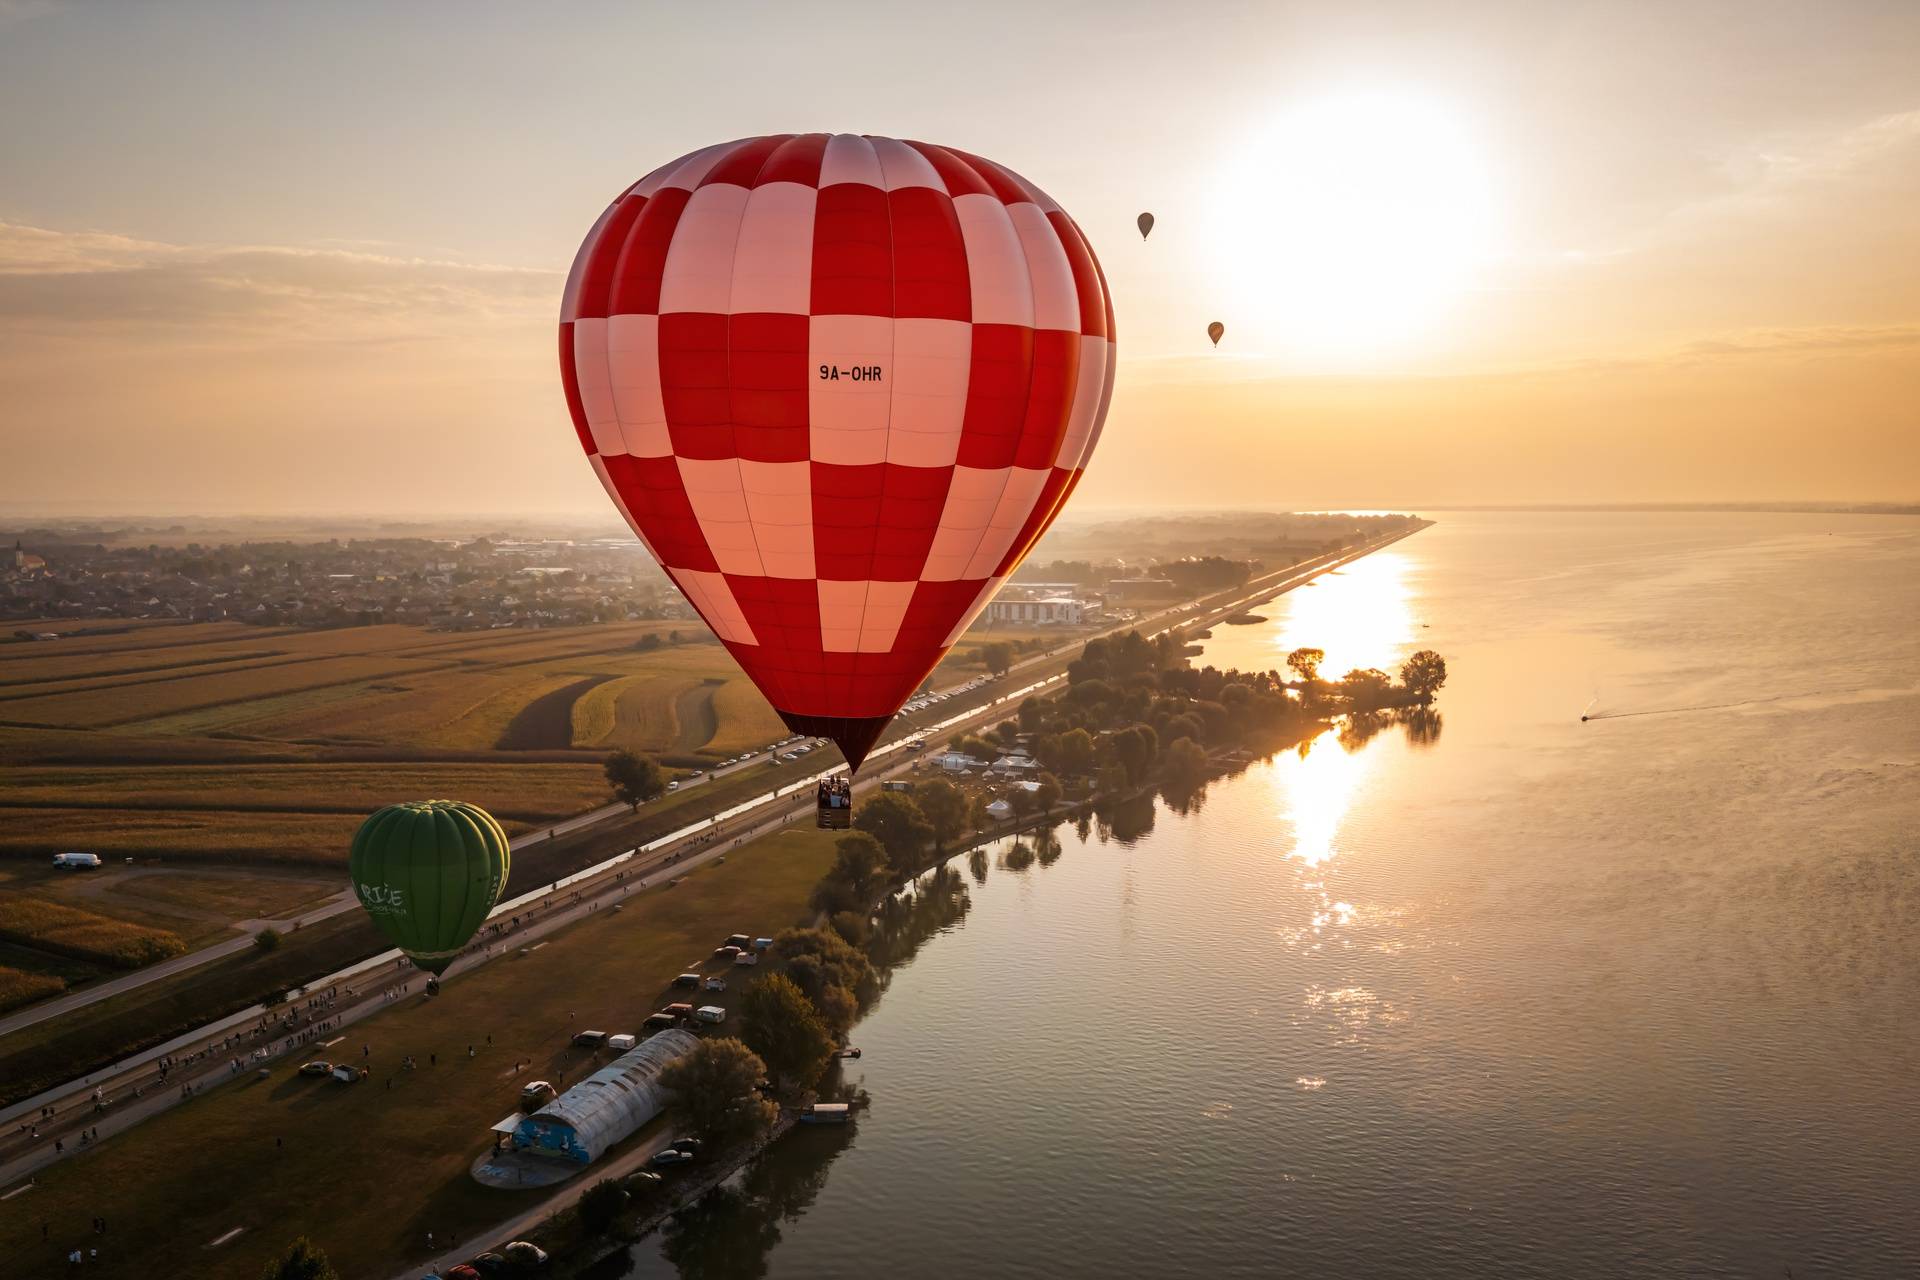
x: 1590, y: 714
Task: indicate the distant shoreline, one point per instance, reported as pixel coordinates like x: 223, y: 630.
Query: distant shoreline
x: 1706, y: 508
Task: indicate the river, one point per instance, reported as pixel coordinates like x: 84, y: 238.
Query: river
x: 1511, y: 995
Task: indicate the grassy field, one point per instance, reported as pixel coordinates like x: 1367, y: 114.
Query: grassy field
x: 18, y: 987
x: 65, y: 930
x: 284, y: 1156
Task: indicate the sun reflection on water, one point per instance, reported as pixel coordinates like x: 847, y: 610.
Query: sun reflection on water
x: 1359, y: 615
x: 1317, y: 787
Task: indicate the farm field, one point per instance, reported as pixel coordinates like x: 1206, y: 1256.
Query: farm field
x: 232, y: 764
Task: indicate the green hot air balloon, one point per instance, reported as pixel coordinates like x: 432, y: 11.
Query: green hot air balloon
x: 428, y: 872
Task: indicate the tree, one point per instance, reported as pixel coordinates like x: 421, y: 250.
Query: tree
x: 1072, y: 752
x: 860, y: 863
x: 268, y: 939
x: 780, y: 1024
x: 817, y: 959
x: 1185, y: 762
x: 1022, y: 801
x: 634, y: 779
x: 1305, y: 663
x: 1424, y: 673
x: 1049, y: 793
x: 1133, y: 749
x: 979, y: 748
x: 601, y: 1204
x: 303, y: 1260
x: 715, y: 1090
x: 897, y: 823
x: 1366, y: 687
x: 997, y: 657
x: 944, y: 806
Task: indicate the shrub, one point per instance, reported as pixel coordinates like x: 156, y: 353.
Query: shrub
x: 601, y: 1204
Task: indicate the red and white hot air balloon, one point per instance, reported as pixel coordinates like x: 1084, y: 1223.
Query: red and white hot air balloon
x: 839, y: 386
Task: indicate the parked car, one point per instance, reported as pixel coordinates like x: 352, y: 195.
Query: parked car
x: 589, y: 1039
x: 462, y: 1272
x: 687, y: 980
x: 538, y: 1091
x: 668, y: 1157
x: 622, y: 1042
x: 644, y: 1180
x: 747, y: 958
x: 689, y: 1145
x: 710, y: 1013
x: 737, y: 940
x: 524, y: 1254
x: 345, y: 1074
x: 674, y: 785
x: 725, y: 953
x: 716, y: 984
x: 492, y: 1264
x: 660, y: 1022
x: 316, y: 1069
x: 679, y: 1009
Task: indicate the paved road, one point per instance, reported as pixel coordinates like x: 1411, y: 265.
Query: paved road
x: 339, y: 902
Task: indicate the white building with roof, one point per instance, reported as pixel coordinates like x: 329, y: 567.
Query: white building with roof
x: 608, y: 1106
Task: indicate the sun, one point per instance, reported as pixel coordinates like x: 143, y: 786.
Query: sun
x: 1350, y: 224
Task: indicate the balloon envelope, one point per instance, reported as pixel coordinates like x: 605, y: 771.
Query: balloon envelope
x: 1145, y: 223
x: 839, y: 386
x: 428, y: 872
x: 1215, y: 330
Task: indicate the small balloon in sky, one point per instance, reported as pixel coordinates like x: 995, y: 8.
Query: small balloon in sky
x: 1214, y: 331
x: 1145, y: 223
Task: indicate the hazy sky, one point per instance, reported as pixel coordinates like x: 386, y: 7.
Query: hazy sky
x: 274, y: 257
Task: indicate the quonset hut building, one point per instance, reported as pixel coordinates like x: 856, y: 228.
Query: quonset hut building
x: 608, y: 1105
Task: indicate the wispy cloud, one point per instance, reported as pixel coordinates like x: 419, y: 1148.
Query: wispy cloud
x: 60, y: 279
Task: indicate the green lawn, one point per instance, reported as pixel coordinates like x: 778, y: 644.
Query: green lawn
x: 365, y: 1171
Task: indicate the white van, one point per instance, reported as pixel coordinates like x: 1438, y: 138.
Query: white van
x: 710, y: 1013
x: 76, y: 861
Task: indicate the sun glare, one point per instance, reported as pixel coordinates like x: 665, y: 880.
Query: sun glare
x: 1350, y: 223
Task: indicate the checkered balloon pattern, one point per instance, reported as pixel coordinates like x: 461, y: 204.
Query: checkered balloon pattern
x: 839, y: 386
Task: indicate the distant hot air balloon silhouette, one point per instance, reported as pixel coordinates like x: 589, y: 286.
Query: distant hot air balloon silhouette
x: 1145, y: 223
x: 428, y: 872
x: 839, y: 386
x: 1214, y: 331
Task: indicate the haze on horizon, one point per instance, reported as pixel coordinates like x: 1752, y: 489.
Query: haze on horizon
x: 264, y: 258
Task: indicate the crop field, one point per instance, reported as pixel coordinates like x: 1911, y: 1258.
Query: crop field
x: 40, y: 925
x: 203, y: 752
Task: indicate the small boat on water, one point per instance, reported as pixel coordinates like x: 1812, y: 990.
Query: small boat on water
x: 848, y: 1052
